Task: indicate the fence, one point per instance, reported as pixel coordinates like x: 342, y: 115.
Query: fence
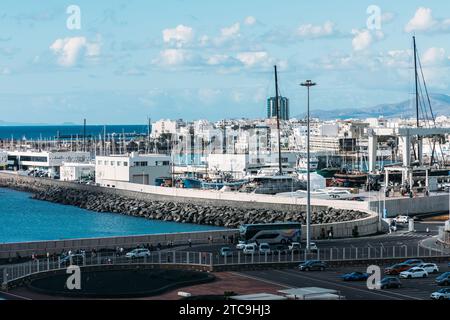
x: 10, y: 273
x: 208, y: 260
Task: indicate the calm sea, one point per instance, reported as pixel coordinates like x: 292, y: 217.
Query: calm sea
x: 49, y: 132
x: 23, y: 219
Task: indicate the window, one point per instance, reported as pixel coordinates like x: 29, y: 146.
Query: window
x: 119, y: 163
x: 100, y: 162
x: 106, y: 163
x: 113, y: 163
x: 125, y: 164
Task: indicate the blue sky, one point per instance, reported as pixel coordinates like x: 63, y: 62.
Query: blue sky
x: 196, y: 59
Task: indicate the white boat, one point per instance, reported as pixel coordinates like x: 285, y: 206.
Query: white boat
x: 327, y: 194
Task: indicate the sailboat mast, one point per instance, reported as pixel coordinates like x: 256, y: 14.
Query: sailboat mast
x: 416, y: 76
x: 277, y: 106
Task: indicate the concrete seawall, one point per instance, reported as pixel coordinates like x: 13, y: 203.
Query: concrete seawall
x: 413, y: 206
x: 340, y: 216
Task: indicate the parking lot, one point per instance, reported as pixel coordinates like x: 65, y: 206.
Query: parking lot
x: 412, y: 289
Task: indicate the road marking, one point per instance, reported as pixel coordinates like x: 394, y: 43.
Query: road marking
x: 344, y: 286
x: 262, y: 280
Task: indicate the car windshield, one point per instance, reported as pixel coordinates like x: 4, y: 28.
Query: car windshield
x: 225, y: 249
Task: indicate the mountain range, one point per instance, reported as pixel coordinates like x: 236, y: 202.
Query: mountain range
x: 440, y: 104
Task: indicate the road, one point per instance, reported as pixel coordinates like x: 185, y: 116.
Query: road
x: 412, y: 289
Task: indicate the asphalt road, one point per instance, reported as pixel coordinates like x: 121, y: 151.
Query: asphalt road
x: 399, y: 238
x: 412, y: 289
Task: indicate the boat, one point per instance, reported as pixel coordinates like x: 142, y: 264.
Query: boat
x: 328, y: 172
x: 351, y: 178
x: 272, y: 182
x: 326, y: 194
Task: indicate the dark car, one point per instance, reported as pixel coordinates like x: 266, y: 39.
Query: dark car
x: 355, y: 276
x: 390, y: 282
x: 311, y: 265
x: 443, y: 279
x: 397, y: 268
x: 72, y: 259
x: 413, y: 262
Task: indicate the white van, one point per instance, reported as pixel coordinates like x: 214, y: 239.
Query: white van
x: 250, y: 249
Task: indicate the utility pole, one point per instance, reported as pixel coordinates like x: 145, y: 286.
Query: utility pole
x: 84, y: 135
x: 277, y: 106
x: 308, y: 84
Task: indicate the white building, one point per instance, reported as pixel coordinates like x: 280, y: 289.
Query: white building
x: 163, y: 127
x: 76, y: 171
x: 50, y: 161
x: 3, y: 159
x: 133, y: 168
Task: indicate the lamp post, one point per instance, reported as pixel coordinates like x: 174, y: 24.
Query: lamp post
x: 308, y: 84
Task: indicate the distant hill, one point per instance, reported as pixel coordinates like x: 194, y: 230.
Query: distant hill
x: 439, y: 102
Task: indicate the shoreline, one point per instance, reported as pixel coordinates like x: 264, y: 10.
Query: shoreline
x: 172, y: 211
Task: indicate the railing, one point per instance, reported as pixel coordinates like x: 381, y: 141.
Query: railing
x: 345, y: 254
x: 9, y: 273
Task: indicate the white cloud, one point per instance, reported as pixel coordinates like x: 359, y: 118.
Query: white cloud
x: 250, y: 20
x: 232, y: 31
x: 312, y: 31
x: 364, y: 38
x: 172, y: 57
x: 181, y: 35
x: 434, y: 56
x: 70, y: 50
x: 218, y: 59
x: 250, y: 59
x: 422, y: 21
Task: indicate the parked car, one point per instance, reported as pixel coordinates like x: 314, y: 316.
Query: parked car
x: 138, y: 253
x: 413, y: 262
x: 240, y: 245
x: 250, y: 249
x: 401, y: 219
x: 311, y: 265
x: 355, y: 276
x: 390, y: 283
x: 264, y: 248
x: 397, y: 268
x: 443, y: 279
x: 429, y: 267
x: 226, y: 252
x: 442, y: 294
x: 414, y: 272
x: 313, y: 247
x: 72, y: 259
x: 294, y: 246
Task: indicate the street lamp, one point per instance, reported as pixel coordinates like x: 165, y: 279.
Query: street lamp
x: 308, y: 84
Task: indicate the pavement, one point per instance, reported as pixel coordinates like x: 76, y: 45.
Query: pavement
x: 412, y: 289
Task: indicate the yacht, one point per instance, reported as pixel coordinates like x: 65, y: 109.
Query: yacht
x: 327, y: 194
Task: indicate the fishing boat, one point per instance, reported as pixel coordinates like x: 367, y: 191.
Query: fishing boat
x: 328, y: 172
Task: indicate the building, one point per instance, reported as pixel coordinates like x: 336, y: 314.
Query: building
x: 77, y: 171
x: 283, y: 104
x: 133, y: 168
x: 3, y: 159
x: 49, y: 161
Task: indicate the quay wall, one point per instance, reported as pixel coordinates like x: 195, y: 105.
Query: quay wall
x: 180, y: 205
x: 413, y: 206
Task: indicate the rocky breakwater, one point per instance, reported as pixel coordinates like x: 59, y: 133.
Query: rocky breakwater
x: 185, y: 212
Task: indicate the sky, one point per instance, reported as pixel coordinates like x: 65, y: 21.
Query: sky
x: 120, y: 62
